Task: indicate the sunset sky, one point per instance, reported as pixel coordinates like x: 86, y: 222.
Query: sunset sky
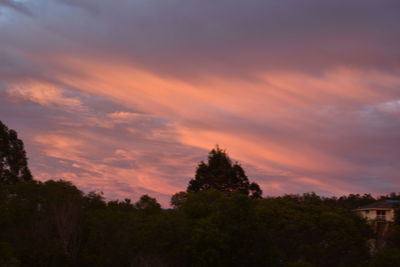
x: 127, y: 96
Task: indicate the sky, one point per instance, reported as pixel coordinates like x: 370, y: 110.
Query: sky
x: 126, y: 97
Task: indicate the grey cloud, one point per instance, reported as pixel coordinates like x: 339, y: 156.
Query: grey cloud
x: 230, y: 36
x: 15, y: 5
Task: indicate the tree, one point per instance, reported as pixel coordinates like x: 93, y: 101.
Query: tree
x: 219, y: 173
x: 148, y: 204
x: 305, y: 231
x: 13, y: 161
x: 64, y: 203
x: 178, y: 199
x: 224, y: 230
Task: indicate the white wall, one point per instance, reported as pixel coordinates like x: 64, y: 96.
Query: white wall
x: 372, y: 214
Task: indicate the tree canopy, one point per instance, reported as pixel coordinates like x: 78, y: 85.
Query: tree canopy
x: 13, y: 161
x: 66, y: 227
x: 221, y: 174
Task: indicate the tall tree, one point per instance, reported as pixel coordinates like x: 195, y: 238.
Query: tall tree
x: 13, y: 161
x: 221, y: 174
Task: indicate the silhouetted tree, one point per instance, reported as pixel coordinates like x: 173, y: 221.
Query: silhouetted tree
x: 354, y: 201
x: 13, y: 161
x: 307, y: 232
x: 148, y: 204
x: 65, y: 207
x: 178, y: 199
x: 219, y: 173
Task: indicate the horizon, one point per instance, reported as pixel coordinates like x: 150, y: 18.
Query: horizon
x: 127, y: 98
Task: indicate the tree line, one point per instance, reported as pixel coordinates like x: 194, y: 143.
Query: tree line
x: 220, y: 220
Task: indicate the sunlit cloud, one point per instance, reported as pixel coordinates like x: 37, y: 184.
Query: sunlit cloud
x: 123, y: 116
x: 46, y: 95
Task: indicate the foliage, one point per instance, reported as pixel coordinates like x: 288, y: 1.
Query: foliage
x: 178, y: 199
x: 387, y: 258
x: 13, y: 161
x: 66, y: 227
x: 219, y: 173
x: 308, y: 230
x: 7, y: 255
x: 224, y: 230
x: 351, y: 201
x: 147, y: 204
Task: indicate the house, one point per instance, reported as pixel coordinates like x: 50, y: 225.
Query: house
x: 380, y: 211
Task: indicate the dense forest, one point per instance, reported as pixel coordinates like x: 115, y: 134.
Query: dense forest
x: 220, y: 220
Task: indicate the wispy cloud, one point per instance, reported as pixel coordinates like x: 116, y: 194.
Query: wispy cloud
x: 17, y: 5
x: 46, y: 95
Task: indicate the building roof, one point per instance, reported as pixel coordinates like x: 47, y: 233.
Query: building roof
x: 382, y: 204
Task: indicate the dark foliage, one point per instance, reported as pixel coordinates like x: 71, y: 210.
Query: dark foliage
x: 55, y: 224
x: 178, y: 199
x: 13, y: 162
x: 219, y: 173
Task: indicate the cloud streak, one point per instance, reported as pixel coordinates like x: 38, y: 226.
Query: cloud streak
x: 16, y: 6
x: 46, y: 95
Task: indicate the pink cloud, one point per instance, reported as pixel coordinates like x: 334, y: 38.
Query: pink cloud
x: 45, y: 94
